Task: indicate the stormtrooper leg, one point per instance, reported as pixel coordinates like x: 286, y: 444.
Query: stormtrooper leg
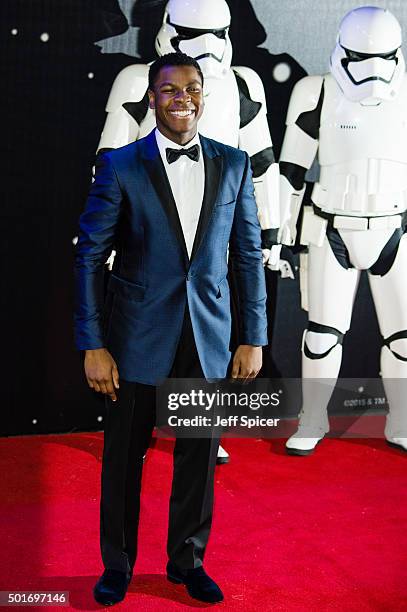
x: 394, y: 372
x: 331, y: 293
x: 390, y: 297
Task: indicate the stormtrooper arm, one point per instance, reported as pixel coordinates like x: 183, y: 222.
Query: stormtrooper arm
x: 126, y: 107
x: 299, y: 148
x: 254, y: 137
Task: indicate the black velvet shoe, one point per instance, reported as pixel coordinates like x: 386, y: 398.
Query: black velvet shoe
x: 199, y: 585
x: 111, y: 587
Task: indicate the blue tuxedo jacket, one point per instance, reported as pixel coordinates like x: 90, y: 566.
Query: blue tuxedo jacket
x: 131, y: 208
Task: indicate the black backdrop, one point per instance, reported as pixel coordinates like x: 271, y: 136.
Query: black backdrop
x: 52, y: 108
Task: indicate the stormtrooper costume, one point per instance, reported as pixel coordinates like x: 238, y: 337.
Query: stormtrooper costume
x: 356, y: 119
x: 235, y: 108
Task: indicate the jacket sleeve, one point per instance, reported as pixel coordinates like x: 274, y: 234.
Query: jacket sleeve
x: 97, y: 228
x: 246, y: 258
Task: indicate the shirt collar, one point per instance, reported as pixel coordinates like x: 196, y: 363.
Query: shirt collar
x: 163, y: 143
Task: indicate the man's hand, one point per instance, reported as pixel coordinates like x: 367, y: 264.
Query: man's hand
x: 101, y: 372
x: 247, y: 362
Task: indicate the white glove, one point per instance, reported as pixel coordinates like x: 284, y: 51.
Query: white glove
x: 271, y: 257
x: 285, y: 269
x: 109, y: 262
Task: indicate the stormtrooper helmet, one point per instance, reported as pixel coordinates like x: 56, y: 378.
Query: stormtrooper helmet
x: 367, y: 62
x: 200, y: 29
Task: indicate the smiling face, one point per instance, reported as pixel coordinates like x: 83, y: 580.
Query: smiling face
x: 178, y: 102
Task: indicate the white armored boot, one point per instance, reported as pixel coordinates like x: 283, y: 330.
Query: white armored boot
x: 223, y: 456
x: 394, y: 373
x: 319, y: 379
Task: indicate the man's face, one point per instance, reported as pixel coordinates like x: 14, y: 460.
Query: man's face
x: 178, y: 102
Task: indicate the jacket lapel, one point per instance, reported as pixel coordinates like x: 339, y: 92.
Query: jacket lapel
x: 158, y: 177
x: 213, y: 171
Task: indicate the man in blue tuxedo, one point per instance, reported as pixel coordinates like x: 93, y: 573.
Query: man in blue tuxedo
x: 170, y: 204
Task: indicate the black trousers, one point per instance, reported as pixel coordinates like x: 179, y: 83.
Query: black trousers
x: 128, y: 430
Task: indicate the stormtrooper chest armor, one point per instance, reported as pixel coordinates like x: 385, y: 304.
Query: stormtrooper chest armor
x: 362, y: 155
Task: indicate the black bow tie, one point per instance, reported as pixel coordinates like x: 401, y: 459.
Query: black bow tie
x: 174, y: 154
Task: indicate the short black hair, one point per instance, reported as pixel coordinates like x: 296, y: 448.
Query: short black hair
x: 171, y: 59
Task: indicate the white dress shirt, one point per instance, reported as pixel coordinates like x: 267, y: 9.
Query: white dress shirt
x: 187, y: 181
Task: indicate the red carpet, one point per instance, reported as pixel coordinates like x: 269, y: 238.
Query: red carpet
x: 326, y: 532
